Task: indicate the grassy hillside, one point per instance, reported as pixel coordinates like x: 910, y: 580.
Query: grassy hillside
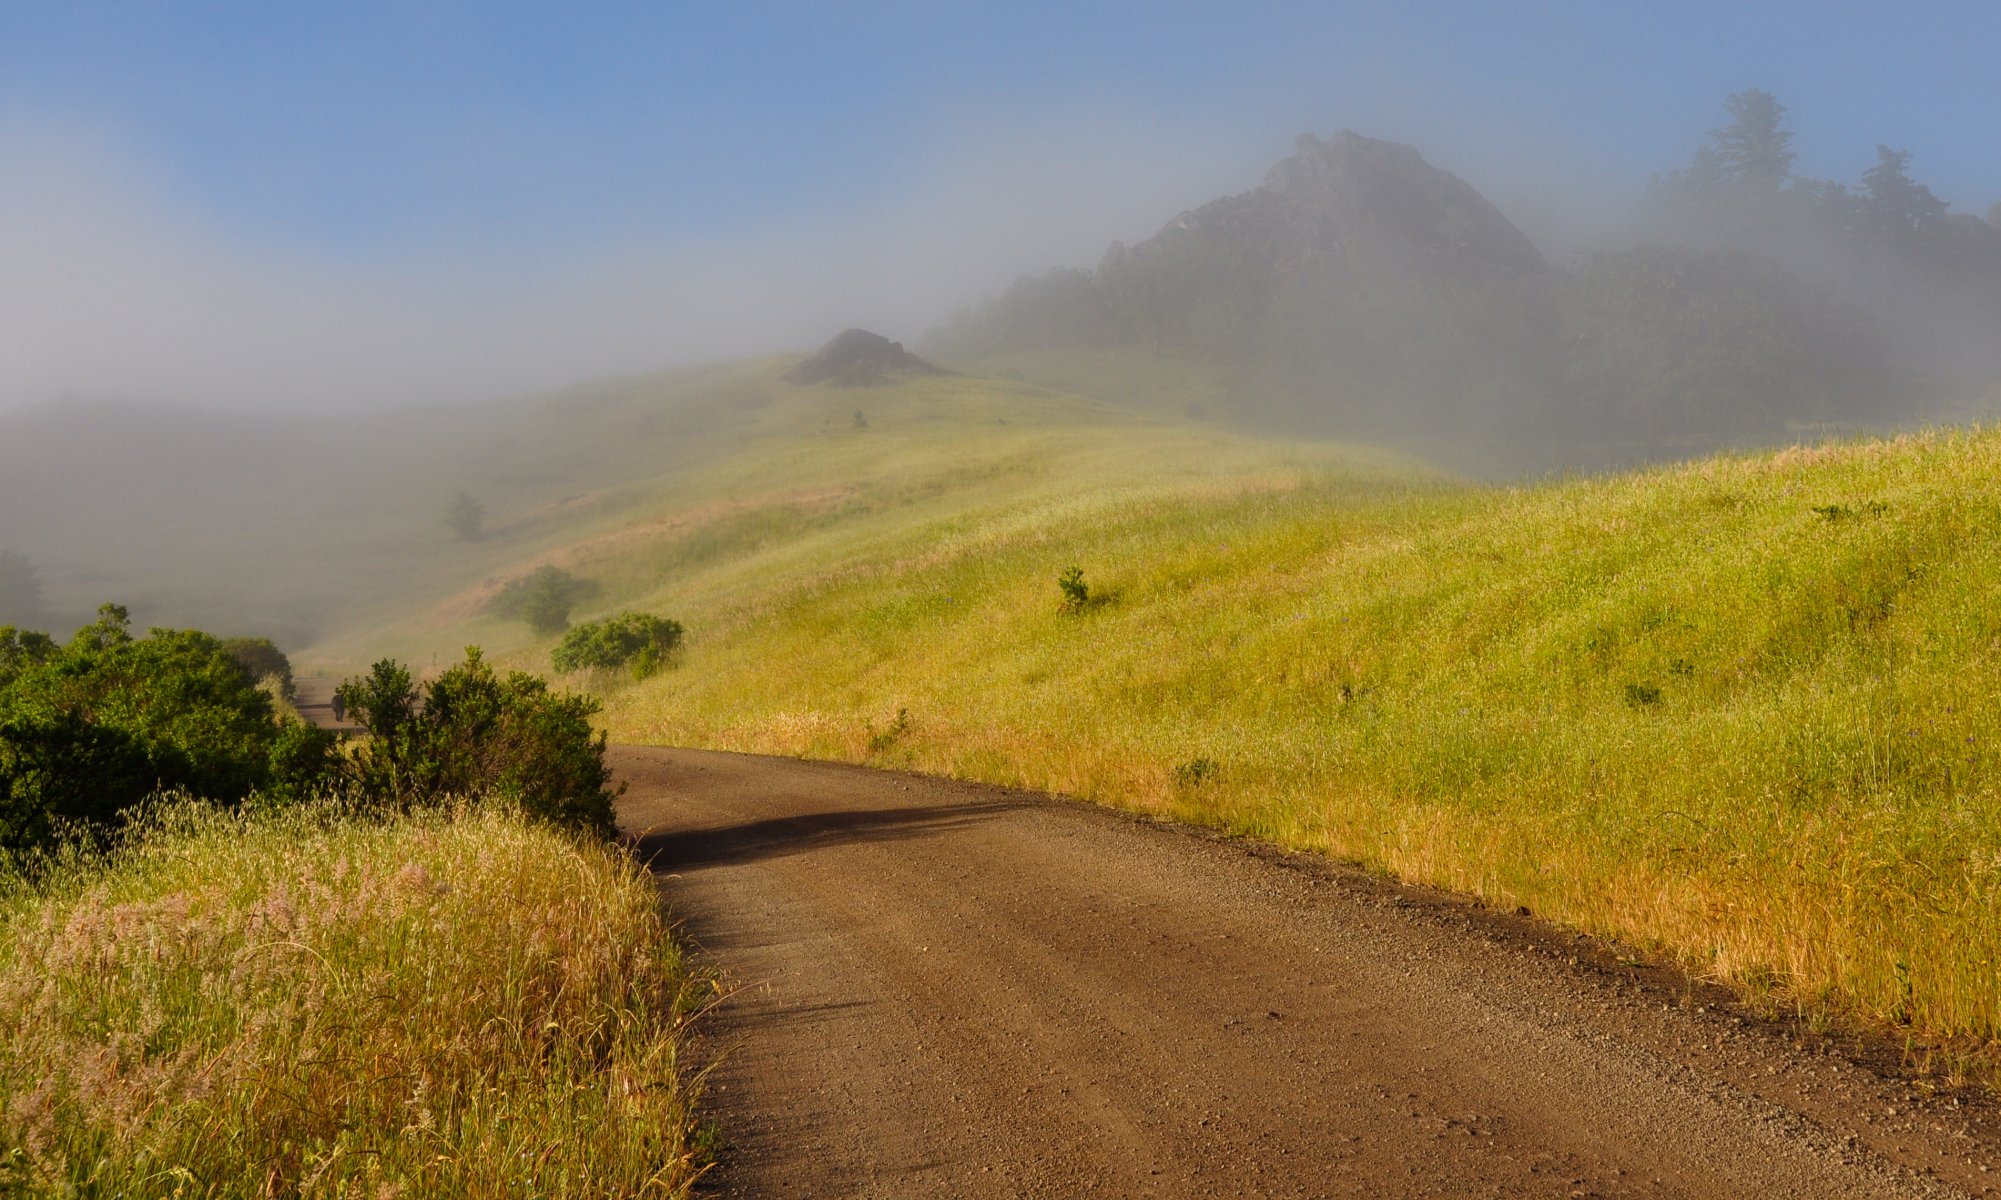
x: 802, y: 486
x: 288, y: 526
x: 297, y: 1005
x: 1740, y: 710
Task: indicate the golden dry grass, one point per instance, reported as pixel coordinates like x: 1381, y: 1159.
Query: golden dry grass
x: 302, y: 1004
x: 1739, y: 711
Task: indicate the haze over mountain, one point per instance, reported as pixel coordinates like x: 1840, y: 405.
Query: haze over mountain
x: 1358, y: 289
x: 1361, y: 291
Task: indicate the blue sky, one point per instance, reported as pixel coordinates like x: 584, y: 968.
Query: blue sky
x: 542, y: 191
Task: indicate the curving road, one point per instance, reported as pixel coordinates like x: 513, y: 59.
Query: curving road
x: 946, y: 990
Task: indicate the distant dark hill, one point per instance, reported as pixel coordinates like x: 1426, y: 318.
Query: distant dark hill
x: 858, y: 358
x: 1361, y: 292
x: 1358, y: 289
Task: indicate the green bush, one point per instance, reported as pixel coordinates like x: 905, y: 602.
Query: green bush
x: 543, y: 598
x: 473, y: 734
x: 1076, y: 593
x: 640, y: 639
x: 262, y: 658
x: 91, y: 728
x: 21, y: 649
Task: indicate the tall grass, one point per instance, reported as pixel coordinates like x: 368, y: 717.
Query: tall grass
x: 307, y: 1005
x: 1741, y: 711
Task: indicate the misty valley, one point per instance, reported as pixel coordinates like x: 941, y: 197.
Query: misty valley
x: 1547, y: 687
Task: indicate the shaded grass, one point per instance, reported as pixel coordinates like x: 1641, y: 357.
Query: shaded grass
x: 1741, y: 710
x: 305, y: 1004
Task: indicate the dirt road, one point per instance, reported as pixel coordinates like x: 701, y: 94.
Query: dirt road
x: 955, y: 991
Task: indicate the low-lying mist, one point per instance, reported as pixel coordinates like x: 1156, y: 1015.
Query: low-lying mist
x: 116, y: 291
x: 322, y: 414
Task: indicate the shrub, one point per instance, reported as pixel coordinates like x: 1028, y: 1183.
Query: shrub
x: 543, y: 598
x: 880, y: 740
x: 262, y: 658
x: 471, y: 733
x: 1196, y: 772
x: 640, y: 639
x: 21, y: 649
x: 1642, y: 695
x: 1076, y: 593
x: 92, y: 728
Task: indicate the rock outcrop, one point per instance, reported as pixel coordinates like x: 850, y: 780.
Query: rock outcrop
x: 858, y: 358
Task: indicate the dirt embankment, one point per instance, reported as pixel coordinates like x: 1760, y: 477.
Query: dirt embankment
x: 955, y: 991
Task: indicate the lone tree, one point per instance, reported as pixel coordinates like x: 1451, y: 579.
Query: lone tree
x: 638, y: 639
x: 1753, y: 151
x: 465, y: 517
x: 543, y: 598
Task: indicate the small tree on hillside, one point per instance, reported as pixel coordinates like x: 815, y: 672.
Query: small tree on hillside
x: 640, y: 639
x: 543, y: 598
x: 465, y: 517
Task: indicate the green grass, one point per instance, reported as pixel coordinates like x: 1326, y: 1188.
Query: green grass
x: 1739, y: 711
x: 301, y: 1004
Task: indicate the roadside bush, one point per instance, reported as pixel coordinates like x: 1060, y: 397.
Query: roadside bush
x: 640, y: 639
x: 472, y: 733
x: 543, y: 598
x: 90, y: 729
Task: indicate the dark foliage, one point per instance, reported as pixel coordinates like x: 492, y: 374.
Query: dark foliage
x: 543, y: 598
x: 262, y: 658
x: 1362, y: 293
x: 472, y: 734
x: 638, y: 639
x: 1679, y: 347
x: 1076, y: 593
x: 91, y: 728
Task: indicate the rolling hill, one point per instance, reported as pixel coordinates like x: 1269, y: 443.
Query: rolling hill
x: 1737, y: 709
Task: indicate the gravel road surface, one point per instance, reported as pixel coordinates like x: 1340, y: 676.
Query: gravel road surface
x: 949, y: 990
